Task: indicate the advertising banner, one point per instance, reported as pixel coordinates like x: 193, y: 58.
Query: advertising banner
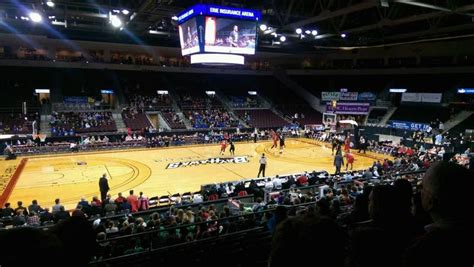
x: 349, y: 108
x: 367, y: 96
x: 75, y: 99
x: 330, y: 96
x: 349, y: 96
x: 422, y: 97
x: 431, y: 97
x: 411, y: 97
x: 407, y: 125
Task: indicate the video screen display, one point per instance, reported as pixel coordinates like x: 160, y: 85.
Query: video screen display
x: 230, y: 36
x: 188, y: 37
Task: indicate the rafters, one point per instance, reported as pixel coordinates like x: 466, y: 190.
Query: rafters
x: 325, y: 14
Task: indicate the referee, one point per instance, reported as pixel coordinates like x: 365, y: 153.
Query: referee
x: 263, y: 164
x: 232, y: 148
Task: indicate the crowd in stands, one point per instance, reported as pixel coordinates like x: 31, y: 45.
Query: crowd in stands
x: 128, y: 59
x: 26, y: 146
x: 392, y: 214
x: 143, y: 103
x: 70, y: 123
x: 261, y: 118
x: 357, y: 224
x: 211, y: 118
x: 173, y: 120
x: 17, y: 123
x: 188, y: 101
x: 244, y: 101
x: 135, y: 120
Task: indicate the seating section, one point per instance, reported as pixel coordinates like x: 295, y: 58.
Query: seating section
x: 211, y: 118
x: 461, y: 127
x: 302, y: 115
x: 150, y: 103
x: 244, y: 101
x: 289, y: 106
x: 173, y: 120
x: 192, y: 100
x: 135, y: 120
x: 376, y: 115
x: 421, y: 113
x: 16, y: 123
x: 70, y: 123
x: 261, y: 118
x: 81, y: 107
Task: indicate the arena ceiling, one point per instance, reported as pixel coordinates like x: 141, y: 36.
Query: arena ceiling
x: 360, y: 22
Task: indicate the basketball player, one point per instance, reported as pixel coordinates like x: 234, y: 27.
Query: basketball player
x: 347, y: 146
x: 362, y: 144
x: 282, y: 143
x: 232, y: 148
x: 223, y: 146
x: 275, y: 139
x: 335, y: 143
x: 349, y: 160
x: 189, y: 40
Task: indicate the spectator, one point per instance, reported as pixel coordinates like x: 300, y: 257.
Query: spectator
x: 304, y: 236
x: 57, y: 206
x: 34, y: 207
x: 21, y: 209
x: 7, y: 210
x: 46, y: 216
x: 36, y: 242
x: 391, y: 229
x: 446, y: 196
x: 62, y: 214
x: 133, y: 200
x: 75, y: 233
x: 143, y: 202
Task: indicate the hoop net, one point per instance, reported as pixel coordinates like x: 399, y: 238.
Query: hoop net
x: 42, y: 137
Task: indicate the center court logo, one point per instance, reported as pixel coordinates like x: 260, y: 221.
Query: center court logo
x: 236, y: 160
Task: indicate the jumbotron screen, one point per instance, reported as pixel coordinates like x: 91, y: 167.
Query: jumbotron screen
x: 206, y: 29
x: 188, y: 37
x: 223, y: 35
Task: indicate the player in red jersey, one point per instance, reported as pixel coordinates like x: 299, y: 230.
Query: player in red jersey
x: 275, y: 138
x: 223, y: 146
x: 349, y: 160
x: 347, y: 146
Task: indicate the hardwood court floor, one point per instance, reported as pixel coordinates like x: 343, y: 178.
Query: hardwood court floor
x: 70, y: 176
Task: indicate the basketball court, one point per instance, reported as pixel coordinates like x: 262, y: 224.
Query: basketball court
x: 156, y: 171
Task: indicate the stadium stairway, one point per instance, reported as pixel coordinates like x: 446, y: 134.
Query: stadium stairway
x: 185, y: 120
x: 312, y: 100
x: 174, y: 103
x: 268, y: 103
x: 121, y: 128
x: 225, y: 101
x: 162, y: 122
x: 387, y: 115
x: 457, y: 119
x: 45, y: 128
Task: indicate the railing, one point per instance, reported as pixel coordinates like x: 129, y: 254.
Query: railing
x: 153, y: 245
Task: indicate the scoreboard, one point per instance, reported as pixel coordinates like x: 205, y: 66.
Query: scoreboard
x: 215, y: 32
